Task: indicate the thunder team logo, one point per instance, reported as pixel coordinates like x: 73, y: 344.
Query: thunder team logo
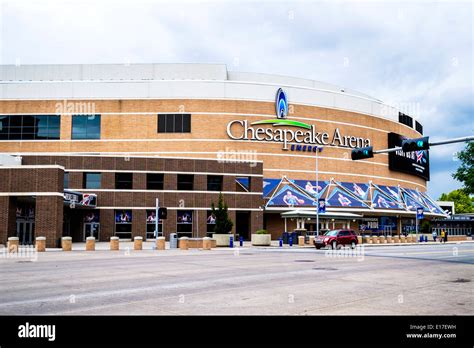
x: 281, y: 104
x: 419, y: 157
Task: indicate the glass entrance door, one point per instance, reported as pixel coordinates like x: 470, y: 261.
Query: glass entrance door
x: 25, y: 232
x: 91, y: 230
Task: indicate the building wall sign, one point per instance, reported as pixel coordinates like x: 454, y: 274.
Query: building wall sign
x: 305, y: 139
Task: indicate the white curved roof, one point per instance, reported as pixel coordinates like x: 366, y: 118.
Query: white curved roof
x: 175, y: 81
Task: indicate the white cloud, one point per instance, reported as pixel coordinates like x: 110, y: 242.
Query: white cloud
x: 400, y: 52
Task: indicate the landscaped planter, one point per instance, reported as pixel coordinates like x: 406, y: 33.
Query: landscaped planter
x: 222, y: 240
x: 261, y: 239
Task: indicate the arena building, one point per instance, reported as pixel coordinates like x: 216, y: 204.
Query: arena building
x: 87, y: 150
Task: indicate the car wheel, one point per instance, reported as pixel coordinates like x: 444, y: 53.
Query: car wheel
x: 334, y: 245
x: 353, y: 245
x: 318, y: 247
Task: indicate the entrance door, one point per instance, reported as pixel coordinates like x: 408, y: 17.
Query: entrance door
x: 91, y: 230
x: 242, y: 224
x: 25, y: 232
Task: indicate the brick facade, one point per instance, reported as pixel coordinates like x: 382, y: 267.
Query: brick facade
x: 39, y: 175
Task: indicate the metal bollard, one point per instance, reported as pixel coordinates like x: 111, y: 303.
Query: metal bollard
x: 241, y: 239
x: 281, y: 242
x: 290, y: 241
x: 231, y: 242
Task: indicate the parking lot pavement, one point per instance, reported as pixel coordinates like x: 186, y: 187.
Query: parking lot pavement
x: 416, y: 280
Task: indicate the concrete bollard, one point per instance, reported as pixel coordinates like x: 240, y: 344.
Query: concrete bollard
x: 367, y: 240
x: 40, y: 244
x: 66, y: 243
x: 359, y: 240
x: 90, y: 243
x: 382, y: 240
x: 403, y: 239
x: 160, y: 243
x: 389, y: 239
x: 138, y: 243
x: 300, y: 240
x: 114, y: 243
x: 183, y: 243
x: 13, y: 244
x: 311, y: 240
x: 375, y: 240
x: 396, y: 239
x: 206, y: 243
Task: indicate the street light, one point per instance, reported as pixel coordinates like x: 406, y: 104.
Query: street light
x: 319, y: 149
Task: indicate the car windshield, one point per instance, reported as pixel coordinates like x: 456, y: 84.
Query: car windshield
x: 331, y: 233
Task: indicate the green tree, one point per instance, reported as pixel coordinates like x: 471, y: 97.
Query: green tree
x: 425, y: 227
x: 465, y: 172
x: 463, y: 203
x: 223, y: 222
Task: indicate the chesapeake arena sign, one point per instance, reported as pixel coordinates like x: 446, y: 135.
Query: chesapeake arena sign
x: 306, y: 138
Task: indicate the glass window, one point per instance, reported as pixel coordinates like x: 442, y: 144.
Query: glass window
x: 154, y: 181
x: 214, y: 182
x: 123, y: 181
x: 184, y: 223
x: 30, y: 127
x: 92, y: 180
x: 66, y: 180
x: 123, y: 224
x: 86, y: 127
x: 211, y: 222
x: 174, y: 123
x: 185, y: 182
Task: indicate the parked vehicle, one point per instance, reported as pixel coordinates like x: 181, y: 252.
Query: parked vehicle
x: 335, y: 238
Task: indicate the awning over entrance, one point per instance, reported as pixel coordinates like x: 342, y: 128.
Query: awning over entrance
x: 302, y: 213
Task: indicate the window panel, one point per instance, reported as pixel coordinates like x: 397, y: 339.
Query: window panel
x: 85, y: 127
x: 186, y: 123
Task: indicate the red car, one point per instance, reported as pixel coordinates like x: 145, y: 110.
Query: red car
x: 335, y: 238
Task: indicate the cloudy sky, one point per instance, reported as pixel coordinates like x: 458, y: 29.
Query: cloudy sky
x: 417, y: 55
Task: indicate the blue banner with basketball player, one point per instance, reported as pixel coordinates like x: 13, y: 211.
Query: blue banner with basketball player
x: 269, y: 185
x: 310, y: 186
x: 290, y: 197
x: 339, y: 198
x: 321, y: 205
x: 123, y: 216
x: 359, y: 190
x: 382, y: 201
x: 391, y: 191
x: 410, y: 202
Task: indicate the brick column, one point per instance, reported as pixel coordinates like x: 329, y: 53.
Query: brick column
x: 75, y: 180
x: 256, y: 184
x: 7, y: 218
x: 170, y: 224
x: 200, y: 182
x: 170, y: 181
x: 256, y: 221
x: 49, y: 219
x: 139, y: 223
x: 139, y: 181
x: 107, y: 180
x: 107, y: 224
x: 228, y: 183
x: 200, y: 221
x: 232, y: 216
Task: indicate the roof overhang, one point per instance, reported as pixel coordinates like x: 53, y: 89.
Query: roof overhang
x: 302, y: 213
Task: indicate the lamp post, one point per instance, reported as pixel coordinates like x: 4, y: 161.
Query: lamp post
x: 318, y: 150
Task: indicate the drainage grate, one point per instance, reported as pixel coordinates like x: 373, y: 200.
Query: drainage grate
x: 325, y: 269
x: 304, y: 260
x: 461, y: 280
